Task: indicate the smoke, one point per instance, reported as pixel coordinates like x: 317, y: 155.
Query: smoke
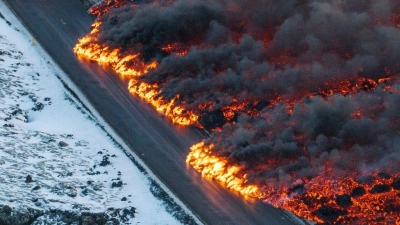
x: 319, y: 132
x: 158, y: 24
x: 282, y: 52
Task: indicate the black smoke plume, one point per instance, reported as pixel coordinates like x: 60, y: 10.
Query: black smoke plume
x: 321, y: 77
x: 258, y: 51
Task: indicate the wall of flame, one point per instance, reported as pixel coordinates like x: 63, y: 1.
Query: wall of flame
x: 305, y: 94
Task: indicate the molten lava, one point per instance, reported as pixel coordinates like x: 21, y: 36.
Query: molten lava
x: 303, y: 117
x: 218, y: 168
x: 374, y: 202
x: 128, y: 64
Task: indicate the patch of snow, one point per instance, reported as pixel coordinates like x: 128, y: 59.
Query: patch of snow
x: 52, y: 155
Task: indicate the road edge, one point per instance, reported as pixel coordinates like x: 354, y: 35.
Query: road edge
x: 79, y: 99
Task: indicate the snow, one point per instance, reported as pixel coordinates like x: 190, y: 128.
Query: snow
x: 47, y: 134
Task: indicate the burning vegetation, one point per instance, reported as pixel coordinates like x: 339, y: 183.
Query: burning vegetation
x: 302, y: 97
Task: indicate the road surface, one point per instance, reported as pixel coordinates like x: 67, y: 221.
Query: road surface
x: 57, y: 25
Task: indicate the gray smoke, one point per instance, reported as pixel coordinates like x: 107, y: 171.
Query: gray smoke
x: 319, y: 132
x: 263, y: 51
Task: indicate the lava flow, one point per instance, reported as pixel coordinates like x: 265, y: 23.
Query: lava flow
x: 129, y: 63
x: 302, y: 98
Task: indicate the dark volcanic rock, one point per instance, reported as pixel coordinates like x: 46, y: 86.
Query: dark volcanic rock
x: 88, y: 220
x: 28, y: 179
x: 28, y: 216
x: 314, y: 199
x: 36, y: 188
x: 343, y: 200
x: 298, y: 189
x: 59, y: 216
x: 71, y: 191
x: 396, y: 184
x: 124, y: 214
x: 384, y: 175
x: 365, y: 179
x: 22, y: 216
x: 116, y: 184
x: 261, y: 104
x: 16, y: 112
x: 113, y: 221
x: 38, y: 106
x: 391, y: 205
x: 62, y: 144
x: 105, y: 161
x: 357, y: 192
x: 93, y: 218
x: 213, y: 119
x: 128, y: 212
x: 6, y: 209
x: 380, y: 188
x: 329, y: 214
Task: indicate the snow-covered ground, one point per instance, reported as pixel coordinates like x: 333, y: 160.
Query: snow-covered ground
x: 53, y: 153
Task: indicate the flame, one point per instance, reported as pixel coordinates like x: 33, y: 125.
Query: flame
x: 201, y: 158
x: 104, y: 6
x: 322, y: 190
x: 175, y: 49
x: 131, y: 65
x: 149, y: 93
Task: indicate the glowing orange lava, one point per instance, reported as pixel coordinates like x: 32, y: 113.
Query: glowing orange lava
x: 201, y: 158
x: 131, y: 65
x: 371, y: 206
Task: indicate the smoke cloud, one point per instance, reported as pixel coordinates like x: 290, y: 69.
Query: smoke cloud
x: 263, y: 51
x: 275, y: 51
x: 313, y: 84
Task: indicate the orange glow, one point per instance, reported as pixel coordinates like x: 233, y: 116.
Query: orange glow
x: 149, y: 93
x: 321, y: 191
x: 395, y: 20
x: 175, y: 49
x: 131, y: 65
x: 201, y: 158
x: 105, y: 5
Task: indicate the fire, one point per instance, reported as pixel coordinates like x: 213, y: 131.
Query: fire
x: 339, y: 201
x: 327, y: 197
x: 149, y: 93
x: 131, y: 65
x: 105, y: 5
x: 201, y: 158
x: 175, y: 49
x: 124, y: 65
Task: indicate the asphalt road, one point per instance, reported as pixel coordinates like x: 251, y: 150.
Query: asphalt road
x: 57, y: 25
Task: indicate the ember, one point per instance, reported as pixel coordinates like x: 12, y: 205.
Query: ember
x: 302, y: 97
